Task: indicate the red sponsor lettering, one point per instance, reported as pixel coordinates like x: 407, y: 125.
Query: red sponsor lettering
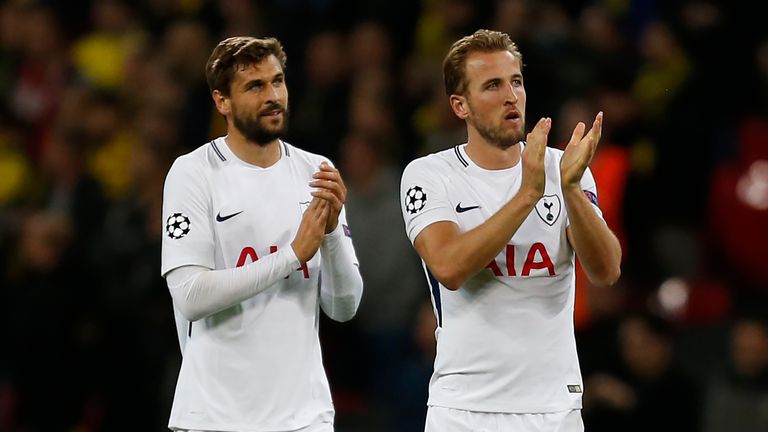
x: 545, y: 262
x: 249, y: 253
x: 494, y: 268
x: 531, y: 261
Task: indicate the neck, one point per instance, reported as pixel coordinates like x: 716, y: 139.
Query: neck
x: 488, y: 155
x: 261, y: 155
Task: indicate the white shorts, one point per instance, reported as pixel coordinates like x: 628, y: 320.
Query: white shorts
x: 440, y: 419
x: 319, y: 427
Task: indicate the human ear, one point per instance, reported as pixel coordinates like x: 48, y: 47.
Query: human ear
x: 222, y: 102
x: 460, y: 106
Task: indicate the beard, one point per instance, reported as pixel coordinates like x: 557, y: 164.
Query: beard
x: 494, y: 135
x: 254, y: 130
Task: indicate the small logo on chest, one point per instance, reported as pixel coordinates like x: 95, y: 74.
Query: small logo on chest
x: 548, y: 208
x: 460, y: 209
x: 220, y: 218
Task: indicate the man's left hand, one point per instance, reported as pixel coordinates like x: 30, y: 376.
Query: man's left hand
x: 578, y: 154
x: 330, y: 187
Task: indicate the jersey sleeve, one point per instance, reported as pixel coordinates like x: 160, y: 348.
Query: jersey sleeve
x: 348, y: 247
x: 187, y: 231
x: 423, y: 198
x: 589, y: 187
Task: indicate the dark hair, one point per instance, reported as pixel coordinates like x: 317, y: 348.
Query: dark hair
x: 235, y: 52
x: 454, y: 64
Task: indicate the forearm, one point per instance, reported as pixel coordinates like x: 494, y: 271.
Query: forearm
x: 466, y: 254
x: 596, y: 246
x: 341, y: 287
x: 199, y: 292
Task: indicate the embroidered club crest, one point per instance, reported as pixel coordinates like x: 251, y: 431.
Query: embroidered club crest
x: 548, y: 208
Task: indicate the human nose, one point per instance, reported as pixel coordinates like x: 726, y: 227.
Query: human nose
x: 272, y: 93
x: 511, y: 93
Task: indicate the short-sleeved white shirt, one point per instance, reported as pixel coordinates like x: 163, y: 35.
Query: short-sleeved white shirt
x: 505, y: 339
x: 255, y: 366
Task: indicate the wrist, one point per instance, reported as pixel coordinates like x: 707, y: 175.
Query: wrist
x: 330, y: 229
x: 292, y: 256
x: 297, y: 252
x: 529, y: 197
x: 570, y: 187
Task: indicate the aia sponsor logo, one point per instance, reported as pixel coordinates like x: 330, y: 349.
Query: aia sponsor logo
x: 536, y: 258
x: 248, y: 255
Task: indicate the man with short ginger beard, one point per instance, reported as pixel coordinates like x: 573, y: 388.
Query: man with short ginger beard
x: 497, y: 222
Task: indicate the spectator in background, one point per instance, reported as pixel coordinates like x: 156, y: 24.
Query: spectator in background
x: 42, y: 75
x: 647, y: 392
x: 393, y: 280
x: 738, y: 399
x: 109, y: 140
x: 610, y: 167
x: 185, y: 47
x: 100, y: 56
x: 414, y: 375
x: 321, y: 114
x: 73, y: 191
x: 130, y: 281
x: 49, y: 311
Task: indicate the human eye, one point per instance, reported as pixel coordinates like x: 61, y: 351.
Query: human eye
x: 492, y: 85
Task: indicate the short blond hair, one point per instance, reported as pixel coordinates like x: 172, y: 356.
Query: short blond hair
x: 454, y: 64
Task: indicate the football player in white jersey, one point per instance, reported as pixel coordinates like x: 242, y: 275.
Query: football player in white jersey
x: 255, y: 244
x: 496, y: 222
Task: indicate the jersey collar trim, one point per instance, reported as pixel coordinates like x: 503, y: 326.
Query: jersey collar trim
x: 218, y: 152
x: 460, y: 156
x: 286, y: 150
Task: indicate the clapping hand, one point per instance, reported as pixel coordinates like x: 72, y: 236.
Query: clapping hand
x: 578, y: 154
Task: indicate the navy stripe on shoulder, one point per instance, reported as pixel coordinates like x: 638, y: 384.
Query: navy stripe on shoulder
x: 434, y: 285
x: 287, y: 150
x: 460, y: 156
x: 218, y: 152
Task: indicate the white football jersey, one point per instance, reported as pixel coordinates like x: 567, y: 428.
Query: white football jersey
x: 505, y: 339
x: 255, y: 366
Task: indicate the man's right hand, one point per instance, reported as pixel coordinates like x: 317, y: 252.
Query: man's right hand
x: 311, y: 230
x: 532, y: 157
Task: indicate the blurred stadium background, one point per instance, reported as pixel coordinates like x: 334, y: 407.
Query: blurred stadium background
x: 99, y: 97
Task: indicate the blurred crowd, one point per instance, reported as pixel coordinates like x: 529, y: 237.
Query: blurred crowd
x: 99, y: 97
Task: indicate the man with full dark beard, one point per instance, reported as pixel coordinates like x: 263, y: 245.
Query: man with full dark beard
x: 496, y: 222
x: 255, y: 244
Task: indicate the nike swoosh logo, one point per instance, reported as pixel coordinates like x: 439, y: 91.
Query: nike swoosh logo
x: 460, y: 209
x: 220, y: 218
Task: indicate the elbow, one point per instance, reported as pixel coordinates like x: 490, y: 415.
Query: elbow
x: 449, y: 277
x: 189, y: 312
x: 607, y: 277
x: 344, y: 310
x: 452, y: 284
x: 343, y: 317
x: 186, y: 307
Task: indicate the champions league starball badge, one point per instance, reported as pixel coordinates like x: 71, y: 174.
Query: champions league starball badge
x: 415, y: 199
x: 177, y: 226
